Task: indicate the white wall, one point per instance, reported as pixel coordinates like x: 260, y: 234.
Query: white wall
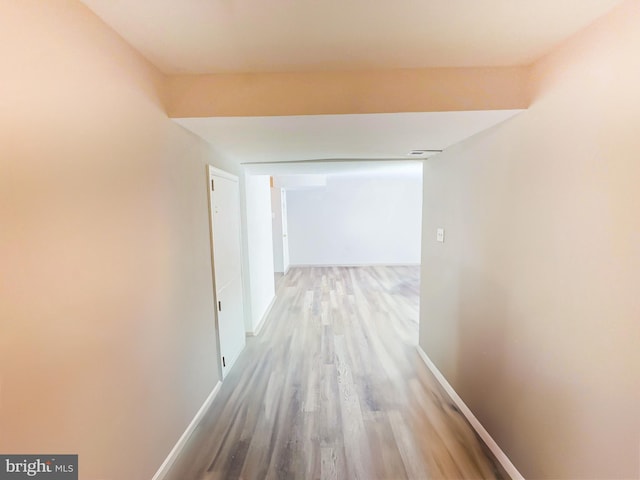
x: 357, y: 219
x: 300, y: 181
x: 257, y: 191
x: 531, y: 306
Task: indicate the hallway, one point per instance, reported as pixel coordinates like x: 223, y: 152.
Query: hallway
x: 334, y: 388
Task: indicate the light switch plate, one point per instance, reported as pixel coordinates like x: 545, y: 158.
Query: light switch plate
x: 440, y: 235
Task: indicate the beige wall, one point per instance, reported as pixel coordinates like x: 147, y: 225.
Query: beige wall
x: 107, y: 344
x: 531, y: 307
x: 318, y: 93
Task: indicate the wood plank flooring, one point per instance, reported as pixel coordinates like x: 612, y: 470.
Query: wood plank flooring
x: 333, y: 388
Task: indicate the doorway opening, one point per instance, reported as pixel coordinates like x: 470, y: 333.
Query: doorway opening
x: 365, y: 216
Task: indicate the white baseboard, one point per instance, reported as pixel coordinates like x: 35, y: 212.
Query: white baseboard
x: 477, y: 426
x: 177, y: 448
x: 256, y: 331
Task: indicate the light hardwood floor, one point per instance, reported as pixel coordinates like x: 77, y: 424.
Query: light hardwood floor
x: 333, y: 388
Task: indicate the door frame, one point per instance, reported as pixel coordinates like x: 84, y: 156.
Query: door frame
x: 284, y: 234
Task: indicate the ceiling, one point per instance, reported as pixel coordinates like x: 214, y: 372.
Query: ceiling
x: 224, y: 36
x: 213, y: 36
x: 323, y: 169
x: 250, y: 140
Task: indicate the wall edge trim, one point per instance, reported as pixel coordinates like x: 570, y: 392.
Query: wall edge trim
x: 471, y: 418
x: 177, y: 448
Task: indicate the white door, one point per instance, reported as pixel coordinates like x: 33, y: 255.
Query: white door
x: 227, y: 265
x: 285, y: 238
